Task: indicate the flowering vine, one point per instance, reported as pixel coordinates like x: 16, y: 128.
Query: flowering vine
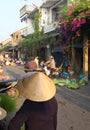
x: 73, y: 19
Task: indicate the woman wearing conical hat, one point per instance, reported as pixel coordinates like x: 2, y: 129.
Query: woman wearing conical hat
x: 39, y: 110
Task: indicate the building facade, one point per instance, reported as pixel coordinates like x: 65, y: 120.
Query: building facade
x: 49, y: 11
x: 50, y: 14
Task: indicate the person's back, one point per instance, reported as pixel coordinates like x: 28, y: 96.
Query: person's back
x: 39, y: 115
x: 52, y: 63
x: 31, y: 65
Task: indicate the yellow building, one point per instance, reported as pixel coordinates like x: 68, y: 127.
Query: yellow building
x: 6, y: 42
x: 16, y: 39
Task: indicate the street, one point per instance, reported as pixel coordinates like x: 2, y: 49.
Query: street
x: 73, y: 105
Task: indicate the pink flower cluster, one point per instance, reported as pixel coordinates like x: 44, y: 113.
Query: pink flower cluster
x: 71, y: 9
x: 76, y: 23
x: 72, y: 6
x: 61, y: 21
x: 69, y: 13
x: 71, y: 30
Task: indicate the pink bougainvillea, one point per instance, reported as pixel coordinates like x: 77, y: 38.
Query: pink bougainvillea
x: 72, y: 22
x: 69, y: 13
x: 72, y: 6
x: 83, y: 21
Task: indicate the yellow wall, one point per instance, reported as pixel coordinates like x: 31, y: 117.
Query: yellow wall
x: 6, y: 41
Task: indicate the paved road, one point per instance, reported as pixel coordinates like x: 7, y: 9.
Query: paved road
x: 80, y: 97
x: 73, y: 105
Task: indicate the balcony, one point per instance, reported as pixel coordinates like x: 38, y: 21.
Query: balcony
x: 50, y: 27
x: 32, y: 13
x: 26, y: 31
x: 24, y: 11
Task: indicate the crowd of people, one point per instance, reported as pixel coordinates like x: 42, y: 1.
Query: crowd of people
x: 49, y: 67
x: 46, y: 66
x: 6, y: 60
x: 33, y: 65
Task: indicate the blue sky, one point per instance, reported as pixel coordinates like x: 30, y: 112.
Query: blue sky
x: 10, y: 18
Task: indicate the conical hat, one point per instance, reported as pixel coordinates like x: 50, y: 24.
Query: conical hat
x: 37, y: 87
x: 3, y: 113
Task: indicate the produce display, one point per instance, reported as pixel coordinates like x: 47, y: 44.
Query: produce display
x: 69, y: 83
